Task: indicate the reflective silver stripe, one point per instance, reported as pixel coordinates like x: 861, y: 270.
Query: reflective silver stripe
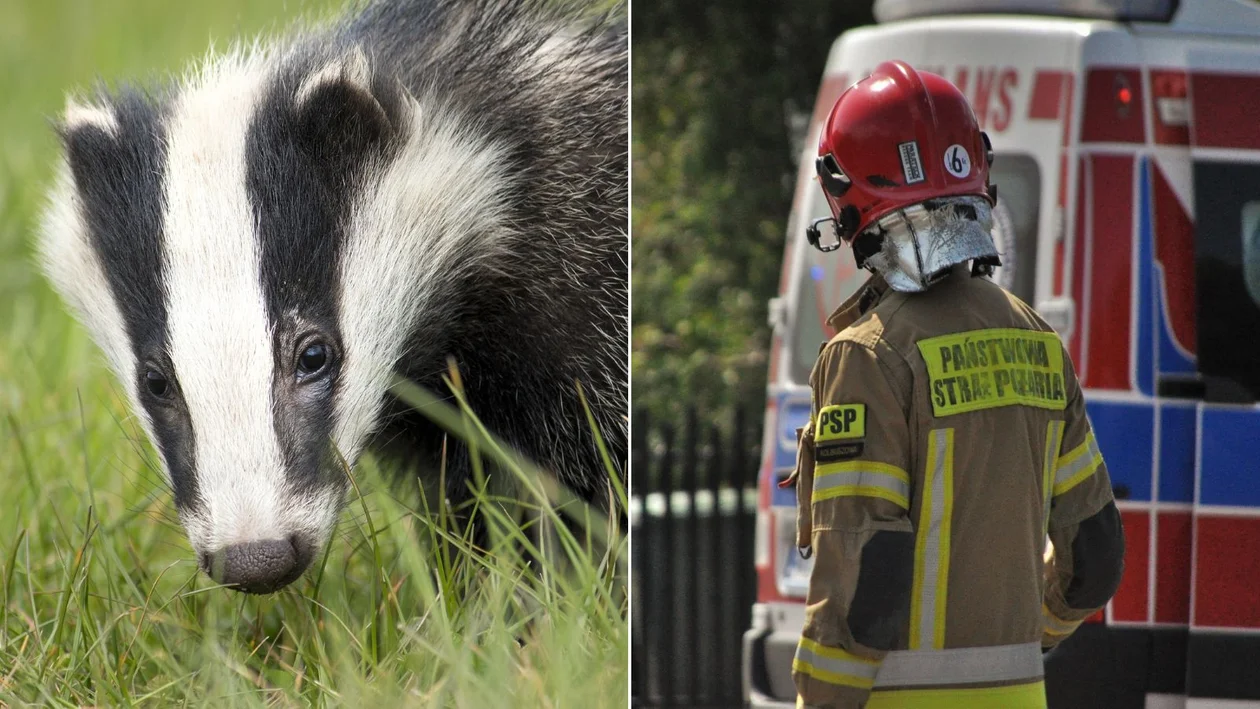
x: 1077, y: 465
x: 834, y: 668
x: 931, y: 552
x: 965, y: 665
x: 862, y: 478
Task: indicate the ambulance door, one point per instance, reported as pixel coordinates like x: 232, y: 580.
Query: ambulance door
x: 1224, y: 648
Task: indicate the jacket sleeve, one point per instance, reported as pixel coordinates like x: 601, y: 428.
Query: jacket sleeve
x: 858, y: 603
x: 1084, y: 528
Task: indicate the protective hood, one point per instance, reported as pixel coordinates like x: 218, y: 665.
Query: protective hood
x: 921, y: 242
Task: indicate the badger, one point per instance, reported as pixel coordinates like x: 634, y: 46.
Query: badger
x: 261, y: 246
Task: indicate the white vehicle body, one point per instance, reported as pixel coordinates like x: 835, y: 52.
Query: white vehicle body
x: 1127, y: 158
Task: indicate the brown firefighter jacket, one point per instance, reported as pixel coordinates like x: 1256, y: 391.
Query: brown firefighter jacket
x: 948, y: 438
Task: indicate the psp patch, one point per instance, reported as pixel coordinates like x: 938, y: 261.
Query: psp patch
x: 840, y: 422
x: 841, y: 428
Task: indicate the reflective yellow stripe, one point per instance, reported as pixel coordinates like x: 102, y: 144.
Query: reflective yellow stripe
x: 829, y: 677
x: 834, y: 665
x: 1076, y: 466
x: 862, y: 478
x: 1056, y: 626
x: 1054, y: 439
x: 837, y: 653
x: 1017, y: 696
x: 942, y: 580
x: 860, y: 491
x: 931, y: 552
x: 853, y: 466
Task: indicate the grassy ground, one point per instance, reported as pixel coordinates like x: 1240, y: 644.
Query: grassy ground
x: 100, y: 602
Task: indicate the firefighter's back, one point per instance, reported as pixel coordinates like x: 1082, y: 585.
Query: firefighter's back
x: 978, y: 459
x: 985, y: 386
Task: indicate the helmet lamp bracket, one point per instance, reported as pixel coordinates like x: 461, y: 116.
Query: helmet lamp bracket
x: 814, y: 235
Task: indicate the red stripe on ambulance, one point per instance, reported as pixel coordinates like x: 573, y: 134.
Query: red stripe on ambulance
x: 1051, y: 89
x: 1064, y: 98
x: 1174, y: 249
x: 1109, y: 268
x: 1227, y: 572
x: 1172, y: 566
x: 1225, y: 110
x: 1131, y: 601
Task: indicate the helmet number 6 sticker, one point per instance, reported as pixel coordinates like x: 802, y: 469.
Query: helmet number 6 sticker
x: 957, y: 162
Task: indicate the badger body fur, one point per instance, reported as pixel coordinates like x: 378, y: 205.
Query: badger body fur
x: 260, y: 247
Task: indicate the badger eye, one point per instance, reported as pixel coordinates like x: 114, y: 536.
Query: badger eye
x: 313, y: 359
x: 157, y: 384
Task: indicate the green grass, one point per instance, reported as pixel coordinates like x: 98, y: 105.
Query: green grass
x: 100, y: 601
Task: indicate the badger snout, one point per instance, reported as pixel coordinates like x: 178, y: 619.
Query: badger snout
x: 256, y: 533
x: 261, y: 566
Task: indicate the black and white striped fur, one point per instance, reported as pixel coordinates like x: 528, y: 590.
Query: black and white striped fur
x: 421, y: 180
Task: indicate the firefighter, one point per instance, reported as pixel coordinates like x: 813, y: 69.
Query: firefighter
x: 947, y: 438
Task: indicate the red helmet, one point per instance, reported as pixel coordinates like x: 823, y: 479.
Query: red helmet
x: 897, y: 138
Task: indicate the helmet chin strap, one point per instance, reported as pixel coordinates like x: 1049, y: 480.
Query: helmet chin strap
x: 925, y: 279
x: 866, y: 245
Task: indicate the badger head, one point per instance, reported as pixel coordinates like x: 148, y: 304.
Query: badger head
x: 250, y: 252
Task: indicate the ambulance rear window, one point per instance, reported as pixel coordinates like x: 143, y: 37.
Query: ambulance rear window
x: 1251, y: 249
x: 1015, y: 221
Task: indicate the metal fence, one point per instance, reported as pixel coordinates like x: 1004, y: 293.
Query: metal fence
x: 693, y: 514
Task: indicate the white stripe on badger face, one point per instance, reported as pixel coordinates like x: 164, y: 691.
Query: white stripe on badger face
x: 219, y: 333
x: 67, y: 256
x: 431, y: 210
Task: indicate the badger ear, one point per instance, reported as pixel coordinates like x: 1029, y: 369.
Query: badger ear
x: 343, y: 112
x: 89, y: 134
x: 79, y: 116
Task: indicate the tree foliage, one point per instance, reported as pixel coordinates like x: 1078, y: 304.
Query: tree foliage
x: 720, y: 92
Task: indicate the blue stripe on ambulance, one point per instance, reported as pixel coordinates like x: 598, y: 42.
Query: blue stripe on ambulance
x: 1176, y: 451
x: 1229, y: 472
x: 1125, y: 433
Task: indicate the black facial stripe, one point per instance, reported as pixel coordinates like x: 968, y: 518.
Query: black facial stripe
x: 301, y: 164
x: 119, y: 179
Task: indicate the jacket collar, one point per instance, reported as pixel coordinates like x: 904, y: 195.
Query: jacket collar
x: 868, y: 296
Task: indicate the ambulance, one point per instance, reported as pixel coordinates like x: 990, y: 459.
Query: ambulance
x: 1127, y: 144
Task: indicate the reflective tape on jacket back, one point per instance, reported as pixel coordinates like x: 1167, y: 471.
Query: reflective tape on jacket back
x: 961, y: 666
x: 931, y: 548
x: 985, y: 369
x: 1054, y: 439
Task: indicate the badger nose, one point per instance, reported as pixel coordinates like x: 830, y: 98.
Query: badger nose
x: 257, y: 567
